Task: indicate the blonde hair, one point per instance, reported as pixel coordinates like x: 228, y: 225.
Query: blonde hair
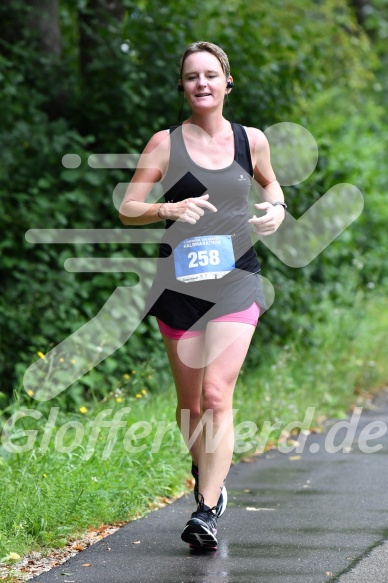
x: 201, y: 46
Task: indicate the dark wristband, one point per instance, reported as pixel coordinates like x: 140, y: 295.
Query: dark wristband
x: 283, y: 204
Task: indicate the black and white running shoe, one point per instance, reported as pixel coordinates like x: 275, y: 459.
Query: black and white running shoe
x: 201, y: 530
x: 222, y: 500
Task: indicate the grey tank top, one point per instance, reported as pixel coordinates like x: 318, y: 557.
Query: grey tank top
x: 179, y: 304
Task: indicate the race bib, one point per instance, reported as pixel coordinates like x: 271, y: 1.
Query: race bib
x: 200, y: 258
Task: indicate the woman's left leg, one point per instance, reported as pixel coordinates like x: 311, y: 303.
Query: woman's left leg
x: 226, y: 346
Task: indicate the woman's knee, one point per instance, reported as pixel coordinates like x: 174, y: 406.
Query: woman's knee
x: 217, y: 397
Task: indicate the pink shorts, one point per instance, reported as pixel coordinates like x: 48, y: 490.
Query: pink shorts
x: 248, y: 316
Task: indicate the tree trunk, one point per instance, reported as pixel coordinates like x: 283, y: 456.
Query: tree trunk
x: 43, y: 18
x: 90, y: 20
x: 43, y: 25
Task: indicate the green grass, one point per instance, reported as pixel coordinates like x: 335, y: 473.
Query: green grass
x: 49, y: 496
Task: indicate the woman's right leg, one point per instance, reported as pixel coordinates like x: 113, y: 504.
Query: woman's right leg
x: 188, y: 383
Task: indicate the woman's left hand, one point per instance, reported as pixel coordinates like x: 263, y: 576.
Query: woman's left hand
x: 270, y: 222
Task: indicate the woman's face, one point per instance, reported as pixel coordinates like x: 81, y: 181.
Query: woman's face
x: 204, y: 81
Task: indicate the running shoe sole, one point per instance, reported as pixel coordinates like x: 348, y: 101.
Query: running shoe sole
x: 198, y: 535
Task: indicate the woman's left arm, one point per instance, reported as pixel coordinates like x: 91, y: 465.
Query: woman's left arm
x: 271, y: 189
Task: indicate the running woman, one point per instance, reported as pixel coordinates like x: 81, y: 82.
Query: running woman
x: 207, y: 295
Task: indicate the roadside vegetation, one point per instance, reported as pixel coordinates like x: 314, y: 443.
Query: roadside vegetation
x: 101, y: 86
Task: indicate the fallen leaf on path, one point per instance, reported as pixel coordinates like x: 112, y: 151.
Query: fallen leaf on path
x: 87, y: 565
x: 190, y: 483
x: 34, y: 563
x: 292, y: 442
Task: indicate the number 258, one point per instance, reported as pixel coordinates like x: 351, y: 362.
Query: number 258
x: 203, y: 258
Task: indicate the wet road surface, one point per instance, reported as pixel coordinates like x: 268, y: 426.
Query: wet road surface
x: 312, y: 517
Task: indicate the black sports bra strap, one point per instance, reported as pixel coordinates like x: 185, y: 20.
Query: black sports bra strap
x: 243, y: 151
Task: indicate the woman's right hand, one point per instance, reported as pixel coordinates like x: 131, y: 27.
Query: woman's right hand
x: 189, y: 210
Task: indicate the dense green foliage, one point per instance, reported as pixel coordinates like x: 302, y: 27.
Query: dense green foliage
x: 106, y: 83
x: 100, y: 77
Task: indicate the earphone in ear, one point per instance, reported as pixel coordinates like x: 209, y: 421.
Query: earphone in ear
x: 180, y: 88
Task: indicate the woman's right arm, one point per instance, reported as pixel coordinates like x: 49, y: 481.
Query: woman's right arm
x: 151, y: 169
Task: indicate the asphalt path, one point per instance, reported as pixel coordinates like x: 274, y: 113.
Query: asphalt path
x: 300, y: 517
